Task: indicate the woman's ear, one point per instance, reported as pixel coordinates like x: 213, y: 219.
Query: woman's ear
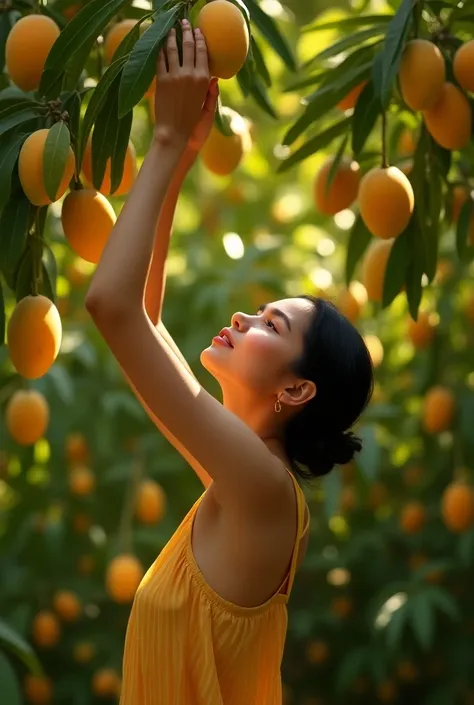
x: 302, y: 392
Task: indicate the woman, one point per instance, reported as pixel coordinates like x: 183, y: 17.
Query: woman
x: 209, y: 619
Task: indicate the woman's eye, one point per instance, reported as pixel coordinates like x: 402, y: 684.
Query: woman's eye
x: 270, y: 324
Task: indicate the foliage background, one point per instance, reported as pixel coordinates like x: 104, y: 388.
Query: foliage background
x: 403, y: 630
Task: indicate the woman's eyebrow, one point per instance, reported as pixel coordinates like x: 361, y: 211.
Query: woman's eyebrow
x: 275, y: 312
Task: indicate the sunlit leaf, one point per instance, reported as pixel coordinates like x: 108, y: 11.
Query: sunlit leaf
x: 19, y: 647
x: 76, y: 40
x: 323, y: 139
x: 140, y: 67
x: 367, y: 110
x: 359, y: 240
x: 11, y: 691
x: 401, y: 256
x: 396, y: 35
x: 55, y: 157
x: 269, y: 29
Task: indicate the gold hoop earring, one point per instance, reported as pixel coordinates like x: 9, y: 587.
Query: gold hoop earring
x: 278, y: 406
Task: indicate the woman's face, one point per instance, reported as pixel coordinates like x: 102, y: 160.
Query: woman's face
x: 262, y: 347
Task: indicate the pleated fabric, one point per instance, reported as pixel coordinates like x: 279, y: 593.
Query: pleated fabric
x: 186, y: 645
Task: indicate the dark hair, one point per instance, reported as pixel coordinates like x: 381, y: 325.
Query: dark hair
x: 336, y: 359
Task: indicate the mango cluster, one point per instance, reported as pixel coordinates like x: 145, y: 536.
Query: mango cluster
x: 385, y: 194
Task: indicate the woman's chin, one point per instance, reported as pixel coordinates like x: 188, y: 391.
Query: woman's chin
x: 208, y: 358
x: 212, y: 360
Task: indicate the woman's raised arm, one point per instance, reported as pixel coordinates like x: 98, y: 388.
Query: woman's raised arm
x: 245, y: 471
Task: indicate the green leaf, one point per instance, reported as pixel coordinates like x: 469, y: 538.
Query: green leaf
x: 11, y: 95
x: 141, y: 64
x: 246, y: 77
x: 415, y: 271
x: 359, y: 240
x: 25, y: 279
x: 443, y: 158
x: 11, y: 692
x: 96, y: 103
x: 52, y: 12
x: 260, y: 95
x: 397, y: 32
x: 72, y: 103
x: 122, y: 139
x: 326, y: 97
x: 323, y: 100
x: 348, y: 23
x: 336, y: 76
x: 466, y: 217
x: 221, y: 120
x: 321, y: 140
x: 77, y: 38
x: 5, y: 27
x: 338, y: 157
x: 9, y: 150
x: 260, y: 64
x: 245, y: 12
x: 399, y: 260
x: 305, y: 82
x: 243, y: 8
x: 63, y: 384
x: 104, y: 136
x: 395, y: 627
x: 366, y: 111
x: 128, y: 42
x: 14, y: 224
x: 353, y: 39
x: 18, y: 113
x: 50, y: 267
x: 269, y: 29
x: 422, y: 620
x: 195, y: 10
x: 19, y: 647
x: 2, y: 316
x: 444, y: 602
x: 74, y: 69
x: 55, y: 157
x: 414, y: 289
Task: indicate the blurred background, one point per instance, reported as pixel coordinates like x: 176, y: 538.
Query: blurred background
x: 382, y: 609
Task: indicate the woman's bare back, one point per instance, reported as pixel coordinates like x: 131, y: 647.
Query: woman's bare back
x: 245, y: 561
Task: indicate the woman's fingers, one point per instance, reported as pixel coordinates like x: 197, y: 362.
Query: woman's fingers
x: 202, y: 63
x: 211, y: 97
x: 214, y: 87
x: 188, y: 45
x: 172, y: 53
x: 161, y: 64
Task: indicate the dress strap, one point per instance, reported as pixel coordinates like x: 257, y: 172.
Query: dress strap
x: 306, y: 526
x: 301, y: 508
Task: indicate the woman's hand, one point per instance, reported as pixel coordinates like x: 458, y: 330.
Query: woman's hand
x: 182, y: 90
x: 201, y: 132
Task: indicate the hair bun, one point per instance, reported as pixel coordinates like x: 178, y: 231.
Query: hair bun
x: 330, y: 449
x: 346, y: 446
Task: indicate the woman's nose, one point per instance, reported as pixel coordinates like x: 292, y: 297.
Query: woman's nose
x: 239, y: 321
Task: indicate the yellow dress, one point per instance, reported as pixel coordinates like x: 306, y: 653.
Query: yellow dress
x: 186, y: 645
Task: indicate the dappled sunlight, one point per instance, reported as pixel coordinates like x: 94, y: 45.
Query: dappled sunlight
x: 314, y: 176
